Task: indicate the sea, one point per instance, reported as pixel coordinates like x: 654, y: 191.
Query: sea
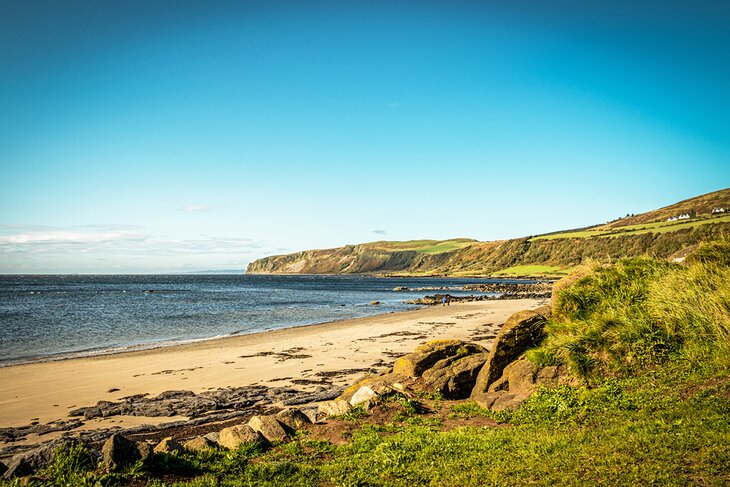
x: 62, y: 316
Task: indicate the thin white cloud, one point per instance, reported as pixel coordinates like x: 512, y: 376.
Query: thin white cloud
x: 69, y: 237
x: 392, y: 105
x: 200, y: 208
x: 104, y: 248
x: 379, y: 232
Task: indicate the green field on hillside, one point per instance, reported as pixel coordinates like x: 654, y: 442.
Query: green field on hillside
x: 423, y: 246
x: 656, y: 227
x: 532, y: 270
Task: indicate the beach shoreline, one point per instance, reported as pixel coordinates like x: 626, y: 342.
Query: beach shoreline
x: 307, y: 358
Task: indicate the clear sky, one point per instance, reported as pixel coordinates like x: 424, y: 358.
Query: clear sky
x: 152, y: 136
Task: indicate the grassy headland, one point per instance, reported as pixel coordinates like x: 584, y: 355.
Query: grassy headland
x: 649, y: 234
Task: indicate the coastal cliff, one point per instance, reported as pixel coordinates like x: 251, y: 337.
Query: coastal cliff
x: 667, y: 232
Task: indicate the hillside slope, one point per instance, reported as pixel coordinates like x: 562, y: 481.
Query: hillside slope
x: 645, y: 234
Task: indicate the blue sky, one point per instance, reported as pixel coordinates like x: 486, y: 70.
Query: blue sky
x: 179, y: 136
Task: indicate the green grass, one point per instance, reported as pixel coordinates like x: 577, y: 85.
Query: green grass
x: 423, y: 246
x: 639, y: 312
x: 668, y: 426
x: 532, y: 270
x: 656, y: 227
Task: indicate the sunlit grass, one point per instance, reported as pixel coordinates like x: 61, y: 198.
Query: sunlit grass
x: 656, y: 227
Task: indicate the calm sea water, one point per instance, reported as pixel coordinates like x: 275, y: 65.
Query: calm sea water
x: 55, y: 316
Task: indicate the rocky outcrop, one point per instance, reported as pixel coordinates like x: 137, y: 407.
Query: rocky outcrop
x: 454, y: 377
x: 425, y: 356
x: 514, y: 288
x: 187, y: 403
x: 522, y: 330
x: 518, y: 382
x: 16, y: 433
x: 438, y: 298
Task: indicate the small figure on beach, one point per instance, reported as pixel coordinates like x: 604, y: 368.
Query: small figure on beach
x: 448, y: 300
x: 443, y: 301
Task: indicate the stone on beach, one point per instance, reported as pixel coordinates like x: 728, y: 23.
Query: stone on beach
x: 269, y: 427
x: 335, y: 408
x: 293, y: 418
x: 118, y: 452
x: 363, y: 395
x: 168, y: 445
x: 234, y: 436
x: 199, y: 444
x: 425, y: 356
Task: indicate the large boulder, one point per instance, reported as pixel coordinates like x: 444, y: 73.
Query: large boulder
x: 512, y: 389
x: 268, y: 426
x: 454, y: 377
x: 522, y: 330
x: 293, y: 418
x: 233, y: 436
x: 519, y: 381
x: 118, y: 452
x: 425, y: 356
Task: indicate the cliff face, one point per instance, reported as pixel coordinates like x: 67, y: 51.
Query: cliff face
x: 462, y: 257
x: 351, y: 259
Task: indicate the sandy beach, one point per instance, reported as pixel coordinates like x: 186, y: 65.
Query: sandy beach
x: 342, y: 351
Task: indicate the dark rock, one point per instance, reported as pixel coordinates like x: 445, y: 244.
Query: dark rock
x: 34, y: 460
x: 175, y: 395
x: 425, y: 356
x: 454, y: 377
x: 146, y: 451
x: 90, y: 413
x: 213, y: 436
x: 522, y: 330
x: 118, y: 452
x: 3, y: 468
